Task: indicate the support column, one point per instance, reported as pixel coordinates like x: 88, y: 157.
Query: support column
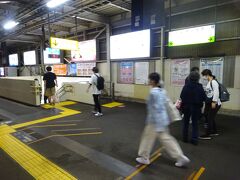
x: 162, y: 53
x: 108, y: 32
x: 42, y: 47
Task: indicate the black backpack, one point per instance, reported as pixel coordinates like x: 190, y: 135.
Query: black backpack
x: 224, y: 95
x: 100, y: 82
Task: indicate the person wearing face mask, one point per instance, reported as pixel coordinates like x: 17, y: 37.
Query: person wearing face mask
x: 212, y: 104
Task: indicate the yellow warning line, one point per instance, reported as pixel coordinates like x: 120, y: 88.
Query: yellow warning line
x: 66, y: 112
x: 199, y: 173
x: 113, y: 104
x: 34, y: 163
x: 50, y: 125
x: 154, y: 157
x: 65, y: 135
x: 191, y: 176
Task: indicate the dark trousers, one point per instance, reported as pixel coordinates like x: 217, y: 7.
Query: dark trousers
x: 45, y: 99
x: 96, y: 98
x: 194, y: 113
x: 211, y: 118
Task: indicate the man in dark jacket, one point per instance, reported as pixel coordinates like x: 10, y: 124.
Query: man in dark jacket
x: 192, y: 96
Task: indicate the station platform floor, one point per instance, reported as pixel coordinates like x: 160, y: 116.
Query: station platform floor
x: 68, y: 142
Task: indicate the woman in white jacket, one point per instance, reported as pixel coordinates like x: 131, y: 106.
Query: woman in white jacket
x: 212, y: 104
x: 157, y: 126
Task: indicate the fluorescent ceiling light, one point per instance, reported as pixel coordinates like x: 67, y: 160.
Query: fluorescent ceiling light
x: 55, y: 3
x: 4, y: 2
x: 10, y: 24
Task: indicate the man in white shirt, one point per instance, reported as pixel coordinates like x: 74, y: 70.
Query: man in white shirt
x: 212, y: 105
x: 95, y: 92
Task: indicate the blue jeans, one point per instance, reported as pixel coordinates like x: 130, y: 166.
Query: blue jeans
x: 193, y: 112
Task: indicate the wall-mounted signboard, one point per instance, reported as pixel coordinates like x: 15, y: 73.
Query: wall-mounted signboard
x: 13, y: 60
x: 52, y: 56
x: 197, y: 35
x: 64, y: 44
x: 87, y: 51
x: 130, y: 45
x: 29, y: 58
x: 2, y: 72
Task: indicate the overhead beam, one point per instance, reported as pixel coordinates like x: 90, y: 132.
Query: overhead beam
x: 23, y: 41
x: 123, y: 5
x: 60, y: 28
x: 92, y: 17
x: 86, y: 15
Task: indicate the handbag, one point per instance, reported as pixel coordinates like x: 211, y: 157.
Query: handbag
x: 173, y: 113
x: 178, y: 104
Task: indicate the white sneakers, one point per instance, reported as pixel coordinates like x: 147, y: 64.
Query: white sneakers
x: 98, y: 114
x: 142, y: 160
x: 183, y: 161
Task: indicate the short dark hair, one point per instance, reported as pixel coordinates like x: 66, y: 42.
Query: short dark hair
x: 95, y: 70
x: 194, y: 69
x: 207, y: 72
x: 194, y: 76
x: 155, y: 77
x: 49, y: 68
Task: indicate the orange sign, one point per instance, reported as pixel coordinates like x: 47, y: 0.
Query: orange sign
x: 60, y: 69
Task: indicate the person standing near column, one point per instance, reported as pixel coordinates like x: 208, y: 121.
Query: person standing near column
x: 95, y: 92
x: 50, y: 81
x: 157, y: 126
x: 212, y: 105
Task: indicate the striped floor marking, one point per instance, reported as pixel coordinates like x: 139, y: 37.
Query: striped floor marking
x: 66, y: 135
x: 199, y: 173
x: 153, y: 158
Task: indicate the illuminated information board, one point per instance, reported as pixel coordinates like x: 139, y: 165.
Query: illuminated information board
x: 197, y: 35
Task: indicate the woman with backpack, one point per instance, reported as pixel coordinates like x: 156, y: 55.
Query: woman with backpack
x: 157, y: 124
x: 212, y: 104
x: 97, y: 84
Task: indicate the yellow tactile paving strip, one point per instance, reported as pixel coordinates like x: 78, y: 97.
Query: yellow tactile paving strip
x: 34, y: 163
x: 113, y: 104
x: 5, y: 129
x: 65, y: 112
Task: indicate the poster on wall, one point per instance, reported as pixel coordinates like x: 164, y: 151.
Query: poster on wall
x: 60, y: 69
x: 215, y: 65
x: 180, y: 69
x: 72, y: 70
x: 141, y: 72
x: 85, y: 69
x: 126, y: 72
